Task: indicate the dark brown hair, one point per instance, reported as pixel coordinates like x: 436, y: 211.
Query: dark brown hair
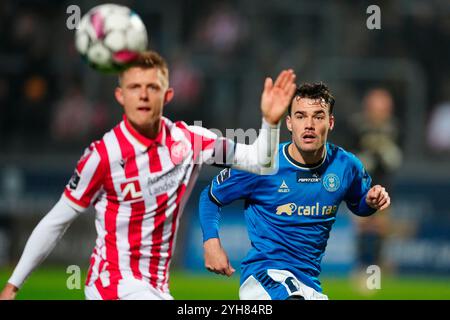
x: 314, y: 91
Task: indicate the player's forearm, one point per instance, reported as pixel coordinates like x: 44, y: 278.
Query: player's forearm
x: 363, y: 209
x: 259, y: 157
x: 209, y: 214
x: 42, y: 240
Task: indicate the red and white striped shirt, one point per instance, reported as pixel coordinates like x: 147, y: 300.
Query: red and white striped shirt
x: 138, y: 187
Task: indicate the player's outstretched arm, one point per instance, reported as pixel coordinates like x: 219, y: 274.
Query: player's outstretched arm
x: 259, y: 157
x: 378, y: 198
x: 39, y: 245
x: 216, y: 259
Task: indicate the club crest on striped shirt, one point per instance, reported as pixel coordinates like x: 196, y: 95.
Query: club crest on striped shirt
x: 178, y: 152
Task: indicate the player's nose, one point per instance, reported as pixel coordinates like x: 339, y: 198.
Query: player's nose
x: 143, y: 94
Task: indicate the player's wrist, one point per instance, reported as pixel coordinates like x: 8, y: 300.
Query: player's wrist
x: 211, y: 243
x: 269, y: 123
x: 9, y: 292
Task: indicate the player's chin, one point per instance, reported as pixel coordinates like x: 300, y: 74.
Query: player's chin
x: 309, y: 147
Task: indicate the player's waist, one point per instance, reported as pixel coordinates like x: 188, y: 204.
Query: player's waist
x: 307, y: 275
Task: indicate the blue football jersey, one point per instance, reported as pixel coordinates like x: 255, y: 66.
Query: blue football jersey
x: 289, y: 214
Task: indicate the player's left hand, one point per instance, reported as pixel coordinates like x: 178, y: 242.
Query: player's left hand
x: 378, y: 198
x: 277, y: 96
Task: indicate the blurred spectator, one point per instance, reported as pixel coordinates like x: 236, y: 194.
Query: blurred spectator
x: 76, y: 117
x: 186, y: 80
x: 375, y: 131
x: 33, y: 107
x: 223, y: 29
x: 438, y: 133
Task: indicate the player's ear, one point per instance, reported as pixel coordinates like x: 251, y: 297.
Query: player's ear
x: 289, y: 123
x: 331, y: 122
x: 168, y: 96
x: 118, y: 93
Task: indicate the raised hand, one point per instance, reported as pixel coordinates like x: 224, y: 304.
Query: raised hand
x: 277, y: 96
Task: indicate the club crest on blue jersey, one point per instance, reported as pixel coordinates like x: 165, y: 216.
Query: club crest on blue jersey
x: 331, y: 182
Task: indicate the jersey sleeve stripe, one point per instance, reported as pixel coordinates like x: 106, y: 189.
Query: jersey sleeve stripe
x: 213, y: 198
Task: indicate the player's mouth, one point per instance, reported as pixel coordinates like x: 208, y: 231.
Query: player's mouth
x: 309, y: 137
x: 144, y: 109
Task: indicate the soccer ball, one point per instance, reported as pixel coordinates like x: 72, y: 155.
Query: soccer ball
x: 110, y: 36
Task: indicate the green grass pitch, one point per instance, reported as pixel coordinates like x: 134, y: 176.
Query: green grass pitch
x: 50, y: 284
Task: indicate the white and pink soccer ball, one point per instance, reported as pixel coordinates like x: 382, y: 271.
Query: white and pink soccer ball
x: 110, y: 36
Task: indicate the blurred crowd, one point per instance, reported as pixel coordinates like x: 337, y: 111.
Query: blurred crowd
x: 219, y: 53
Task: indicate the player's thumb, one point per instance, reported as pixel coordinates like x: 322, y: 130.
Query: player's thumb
x: 230, y: 269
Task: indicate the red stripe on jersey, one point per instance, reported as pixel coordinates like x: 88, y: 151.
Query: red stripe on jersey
x: 137, y: 209
x: 112, y: 210
x: 160, y: 217
x: 180, y: 193
x: 155, y: 161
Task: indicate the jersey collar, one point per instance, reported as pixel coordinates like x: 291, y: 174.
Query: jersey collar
x: 301, y: 165
x: 142, y: 140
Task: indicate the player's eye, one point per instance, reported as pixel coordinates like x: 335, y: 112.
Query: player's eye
x: 153, y: 87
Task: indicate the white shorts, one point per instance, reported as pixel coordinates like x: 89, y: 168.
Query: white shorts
x: 130, y: 289
x: 281, y: 285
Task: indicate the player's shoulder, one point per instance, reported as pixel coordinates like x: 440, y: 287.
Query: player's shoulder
x: 99, y: 146
x: 342, y: 155
x: 234, y: 175
x: 194, y: 130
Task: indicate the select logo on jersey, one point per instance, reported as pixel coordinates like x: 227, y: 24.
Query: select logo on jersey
x: 288, y: 208
x: 131, y: 190
x: 284, y: 187
x: 331, y: 182
x: 74, y: 180
x: 314, y: 210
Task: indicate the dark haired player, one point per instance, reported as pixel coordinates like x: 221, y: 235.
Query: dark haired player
x: 289, y: 215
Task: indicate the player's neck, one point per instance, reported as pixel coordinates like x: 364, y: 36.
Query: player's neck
x: 306, y: 158
x: 150, y: 131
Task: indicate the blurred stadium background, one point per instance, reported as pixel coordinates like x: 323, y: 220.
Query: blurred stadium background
x: 53, y: 106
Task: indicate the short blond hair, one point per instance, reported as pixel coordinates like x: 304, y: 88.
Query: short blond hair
x: 148, y: 60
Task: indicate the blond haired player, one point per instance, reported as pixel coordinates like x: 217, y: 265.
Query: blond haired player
x: 138, y: 177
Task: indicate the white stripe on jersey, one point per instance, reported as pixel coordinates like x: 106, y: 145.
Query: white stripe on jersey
x: 88, y: 173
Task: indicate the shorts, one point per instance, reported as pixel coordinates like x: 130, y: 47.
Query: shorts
x: 274, y: 284
x: 129, y: 289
